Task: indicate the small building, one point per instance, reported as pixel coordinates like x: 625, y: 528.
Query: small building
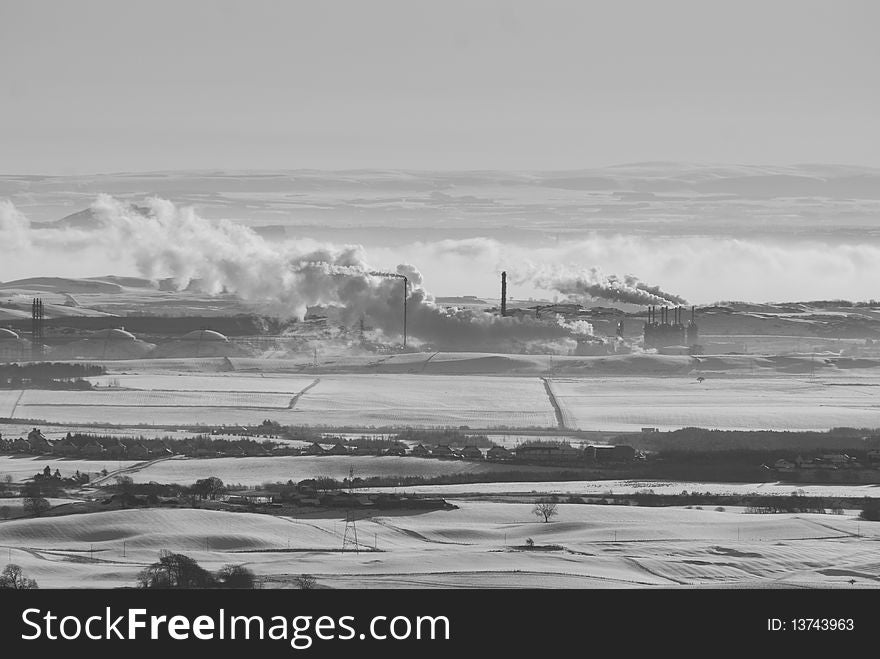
x: 546, y: 452
x: 420, y: 451
x: 609, y: 453
x: 314, y: 449
x: 442, y: 451
x: 138, y: 451
x: 338, y: 449
x: 471, y: 453
x: 398, y: 450
x: 91, y: 449
x: 37, y: 443
x: 66, y: 447
x: 499, y: 453
x: 307, y: 487
x: 114, y: 449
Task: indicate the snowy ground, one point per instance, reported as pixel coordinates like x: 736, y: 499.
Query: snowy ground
x: 479, y: 545
x: 145, y: 394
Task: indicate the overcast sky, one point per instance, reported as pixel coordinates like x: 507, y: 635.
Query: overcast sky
x: 104, y: 86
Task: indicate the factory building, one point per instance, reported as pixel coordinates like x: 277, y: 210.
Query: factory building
x: 110, y: 343
x: 200, y: 343
x: 670, y: 329
x: 12, y: 347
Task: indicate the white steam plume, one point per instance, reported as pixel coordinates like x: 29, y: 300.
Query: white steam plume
x: 164, y: 240
x: 580, y: 284
x: 576, y: 327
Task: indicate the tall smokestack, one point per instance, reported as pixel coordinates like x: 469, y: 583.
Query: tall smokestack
x: 503, y: 293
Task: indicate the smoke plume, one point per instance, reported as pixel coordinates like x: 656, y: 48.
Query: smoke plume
x: 593, y: 283
x: 285, y: 279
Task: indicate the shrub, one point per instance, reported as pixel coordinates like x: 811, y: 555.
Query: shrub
x: 306, y: 582
x: 235, y: 576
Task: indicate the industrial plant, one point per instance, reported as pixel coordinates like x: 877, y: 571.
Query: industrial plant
x: 670, y: 331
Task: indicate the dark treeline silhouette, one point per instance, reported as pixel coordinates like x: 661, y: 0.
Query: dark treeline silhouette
x: 48, y: 375
x: 180, y: 571
x: 705, y: 440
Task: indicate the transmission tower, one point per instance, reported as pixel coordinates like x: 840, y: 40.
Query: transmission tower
x: 37, y: 329
x: 350, y: 538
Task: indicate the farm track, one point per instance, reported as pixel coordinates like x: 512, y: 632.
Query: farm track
x: 130, y: 470
x: 425, y: 363
x: 15, y: 404
x: 295, y: 399
x: 560, y: 420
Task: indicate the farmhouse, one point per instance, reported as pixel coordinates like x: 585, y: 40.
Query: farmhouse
x: 314, y: 449
x: 114, y: 448
x: 37, y: 443
x: 442, y: 451
x: 471, y: 453
x: 338, y: 449
x: 138, y: 451
x: 548, y: 453
x: 66, y: 447
x: 499, y: 453
x: 420, y: 451
x: 606, y: 453
x: 91, y: 449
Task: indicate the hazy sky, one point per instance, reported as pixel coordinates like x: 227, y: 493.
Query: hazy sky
x: 107, y: 85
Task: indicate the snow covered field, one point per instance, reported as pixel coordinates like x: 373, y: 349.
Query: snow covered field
x: 479, y: 545
x: 257, y: 470
x: 763, y: 403
x: 615, y: 404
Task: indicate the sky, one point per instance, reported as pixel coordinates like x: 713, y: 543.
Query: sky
x: 108, y: 86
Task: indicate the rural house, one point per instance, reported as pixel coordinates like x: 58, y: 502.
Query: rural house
x: 37, y: 443
x: 499, y: 453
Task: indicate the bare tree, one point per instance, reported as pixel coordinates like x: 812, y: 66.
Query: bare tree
x: 12, y: 578
x: 545, y: 509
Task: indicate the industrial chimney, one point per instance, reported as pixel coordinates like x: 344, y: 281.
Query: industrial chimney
x: 503, y: 293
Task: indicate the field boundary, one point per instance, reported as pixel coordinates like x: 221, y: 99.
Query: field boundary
x: 295, y: 399
x: 560, y: 421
